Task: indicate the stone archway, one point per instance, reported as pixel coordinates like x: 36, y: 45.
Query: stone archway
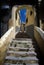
x: 15, y: 10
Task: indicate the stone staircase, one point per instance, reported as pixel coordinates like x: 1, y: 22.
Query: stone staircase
x: 21, y: 52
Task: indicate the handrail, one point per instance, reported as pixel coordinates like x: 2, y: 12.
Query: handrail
x: 41, y: 32
x: 5, y: 36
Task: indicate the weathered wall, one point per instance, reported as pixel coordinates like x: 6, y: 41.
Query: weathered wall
x: 30, y: 31
x: 30, y: 17
x: 4, y: 42
x: 39, y: 39
x: 42, y: 25
x: 29, y: 8
x: 10, y: 23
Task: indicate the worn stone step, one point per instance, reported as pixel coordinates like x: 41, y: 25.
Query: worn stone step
x: 21, y: 49
x: 21, y: 52
x: 21, y: 55
x: 26, y: 39
x: 21, y: 42
x: 21, y: 58
x: 21, y: 61
x: 15, y: 60
x: 20, y: 64
x: 22, y: 45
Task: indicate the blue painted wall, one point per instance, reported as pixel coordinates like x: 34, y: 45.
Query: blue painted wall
x: 23, y: 15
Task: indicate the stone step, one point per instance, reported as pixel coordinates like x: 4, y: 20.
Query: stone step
x: 20, y: 64
x: 21, y: 49
x: 21, y: 55
x: 21, y: 58
x: 21, y: 45
x: 23, y: 42
x: 14, y: 60
x: 21, y: 52
x: 22, y: 39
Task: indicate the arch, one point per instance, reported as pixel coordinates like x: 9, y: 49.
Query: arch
x: 15, y: 10
x: 29, y: 8
x: 23, y: 6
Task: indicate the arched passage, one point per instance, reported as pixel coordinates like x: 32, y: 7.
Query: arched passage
x: 29, y: 15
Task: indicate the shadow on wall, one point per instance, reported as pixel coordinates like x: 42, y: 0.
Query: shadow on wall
x: 28, y: 34
x: 30, y: 31
x: 22, y: 35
